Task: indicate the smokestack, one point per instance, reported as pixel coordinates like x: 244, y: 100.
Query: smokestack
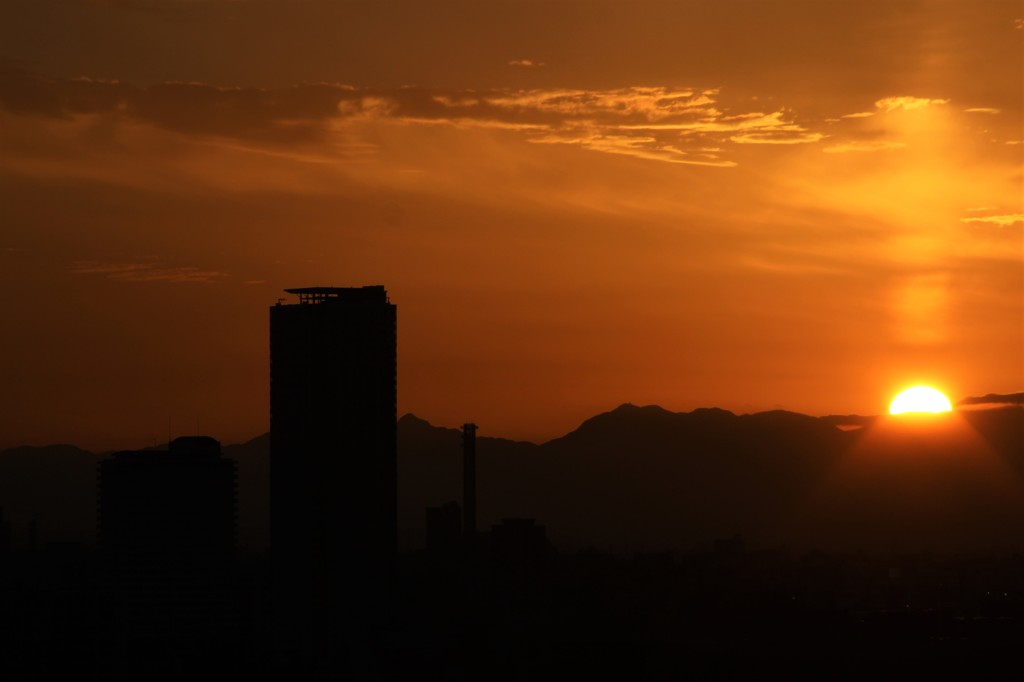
x: 469, y: 480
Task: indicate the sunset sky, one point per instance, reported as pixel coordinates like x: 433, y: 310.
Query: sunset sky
x: 757, y: 204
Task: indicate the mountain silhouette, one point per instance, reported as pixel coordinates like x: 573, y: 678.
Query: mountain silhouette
x: 639, y: 478
x: 51, y: 489
x: 646, y: 478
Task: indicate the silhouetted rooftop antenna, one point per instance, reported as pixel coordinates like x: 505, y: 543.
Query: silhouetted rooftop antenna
x: 469, y: 480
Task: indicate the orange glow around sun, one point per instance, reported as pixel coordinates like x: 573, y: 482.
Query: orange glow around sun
x: 919, y: 399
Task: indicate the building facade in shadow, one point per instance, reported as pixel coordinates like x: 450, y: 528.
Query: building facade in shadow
x: 167, y: 527
x: 333, y: 469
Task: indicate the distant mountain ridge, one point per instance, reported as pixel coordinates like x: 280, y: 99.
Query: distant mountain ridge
x: 634, y: 477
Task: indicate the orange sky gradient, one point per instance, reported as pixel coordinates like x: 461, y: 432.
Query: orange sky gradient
x: 750, y: 205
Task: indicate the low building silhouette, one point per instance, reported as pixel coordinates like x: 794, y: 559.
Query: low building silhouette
x: 519, y: 542
x: 444, y: 528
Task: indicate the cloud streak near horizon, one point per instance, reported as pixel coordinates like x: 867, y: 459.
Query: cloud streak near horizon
x: 146, y: 272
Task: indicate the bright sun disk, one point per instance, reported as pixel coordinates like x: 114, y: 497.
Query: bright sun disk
x: 920, y: 399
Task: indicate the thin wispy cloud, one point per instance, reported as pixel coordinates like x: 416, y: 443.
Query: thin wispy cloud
x: 775, y: 138
x: 146, y: 272
x: 994, y: 399
x: 1000, y: 220
x: 864, y: 146
x: 905, y: 103
x: 655, y: 123
x: 639, y: 147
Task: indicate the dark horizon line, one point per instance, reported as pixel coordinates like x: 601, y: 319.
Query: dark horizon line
x: 990, y: 401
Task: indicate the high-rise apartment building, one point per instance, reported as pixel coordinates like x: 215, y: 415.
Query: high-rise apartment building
x: 167, y: 507
x: 333, y: 465
x: 167, y: 531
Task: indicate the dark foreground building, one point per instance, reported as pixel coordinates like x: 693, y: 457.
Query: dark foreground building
x: 167, y: 530
x: 333, y: 471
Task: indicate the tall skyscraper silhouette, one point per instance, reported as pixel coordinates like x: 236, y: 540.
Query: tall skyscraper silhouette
x: 333, y: 466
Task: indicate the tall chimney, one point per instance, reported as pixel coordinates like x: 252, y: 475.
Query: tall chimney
x: 469, y: 480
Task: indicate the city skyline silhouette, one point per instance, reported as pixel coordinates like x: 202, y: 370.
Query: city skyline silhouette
x: 781, y: 521
x: 709, y: 360
x: 431, y: 469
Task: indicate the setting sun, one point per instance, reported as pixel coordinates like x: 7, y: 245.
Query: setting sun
x: 920, y: 399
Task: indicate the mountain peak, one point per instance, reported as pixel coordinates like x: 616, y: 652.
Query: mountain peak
x: 630, y: 408
x: 409, y: 419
